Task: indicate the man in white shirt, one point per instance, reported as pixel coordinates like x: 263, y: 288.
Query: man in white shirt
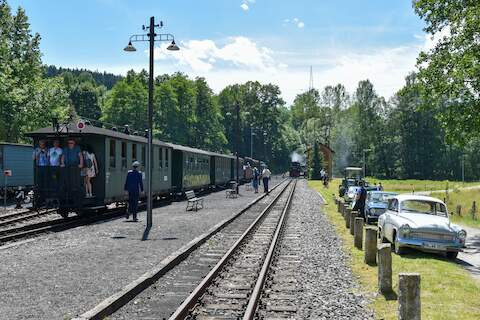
x: 55, y: 153
x: 265, y: 177
x: 54, y: 156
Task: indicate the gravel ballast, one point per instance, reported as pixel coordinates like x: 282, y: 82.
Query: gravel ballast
x: 328, y: 288
x: 62, y: 275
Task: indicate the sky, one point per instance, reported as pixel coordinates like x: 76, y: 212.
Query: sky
x: 234, y: 41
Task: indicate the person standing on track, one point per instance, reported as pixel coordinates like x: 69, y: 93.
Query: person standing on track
x: 133, y: 187
x: 265, y: 177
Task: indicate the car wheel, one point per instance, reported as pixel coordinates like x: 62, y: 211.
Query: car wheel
x: 396, y: 246
x: 452, y: 255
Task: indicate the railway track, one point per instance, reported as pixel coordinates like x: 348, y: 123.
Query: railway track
x: 234, y: 286
x: 22, y: 216
x: 55, y: 225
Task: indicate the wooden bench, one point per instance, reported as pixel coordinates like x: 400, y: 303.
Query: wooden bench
x: 232, y: 192
x: 193, y: 201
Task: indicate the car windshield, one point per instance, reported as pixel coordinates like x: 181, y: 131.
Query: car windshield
x: 424, y: 206
x: 381, y: 197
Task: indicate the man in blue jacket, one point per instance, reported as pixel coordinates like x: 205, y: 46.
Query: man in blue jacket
x: 133, y: 187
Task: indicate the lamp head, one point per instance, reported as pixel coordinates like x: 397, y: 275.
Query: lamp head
x: 130, y: 47
x: 173, y: 46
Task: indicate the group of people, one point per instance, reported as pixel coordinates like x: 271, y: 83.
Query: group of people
x: 264, y: 176
x: 80, y: 163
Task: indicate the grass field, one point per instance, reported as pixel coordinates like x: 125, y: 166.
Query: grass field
x: 410, y: 185
x: 465, y: 199
x: 457, y: 196
x: 447, y: 290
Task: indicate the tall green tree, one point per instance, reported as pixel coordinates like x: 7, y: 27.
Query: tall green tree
x: 126, y: 103
x: 450, y: 71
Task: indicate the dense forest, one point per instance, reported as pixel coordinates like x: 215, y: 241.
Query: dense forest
x: 426, y: 130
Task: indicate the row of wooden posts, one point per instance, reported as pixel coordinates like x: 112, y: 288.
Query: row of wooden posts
x: 473, y: 210
x: 381, y: 255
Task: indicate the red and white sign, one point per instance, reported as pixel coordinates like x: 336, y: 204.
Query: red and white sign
x: 81, y: 125
x: 7, y: 173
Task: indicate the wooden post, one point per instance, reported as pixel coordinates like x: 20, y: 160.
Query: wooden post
x: 459, y: 209
x: 474, y: 210
x: 353, y: 215
x: 409, y: 307
x: 347, y: 215
x: 358, y: 233
x: 384, y: 260
x: 370, y: 245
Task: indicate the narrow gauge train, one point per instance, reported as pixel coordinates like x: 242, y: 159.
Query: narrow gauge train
x: 297, y: 169
x: 176, y: 168
x: 17, y: 159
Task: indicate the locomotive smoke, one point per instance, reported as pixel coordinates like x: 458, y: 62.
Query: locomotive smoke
x: 296, y: 157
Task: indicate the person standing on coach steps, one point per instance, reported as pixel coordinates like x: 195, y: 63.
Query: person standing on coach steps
x: 265, y: 177
x: 133, y: 187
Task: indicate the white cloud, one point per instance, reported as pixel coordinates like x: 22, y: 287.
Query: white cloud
x: 204, y: 55
x: 245, y: 6
x: 240, y: 59
x: 295, y: 21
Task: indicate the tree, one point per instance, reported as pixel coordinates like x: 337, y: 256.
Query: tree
x: 449, y: 73
x: 316, y: 162
x: 20, y: 69
x: 126, y: 103
x: 210, y: 133
x: 85, y: 98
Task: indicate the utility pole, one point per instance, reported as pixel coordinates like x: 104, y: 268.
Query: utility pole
x: 237, y: 140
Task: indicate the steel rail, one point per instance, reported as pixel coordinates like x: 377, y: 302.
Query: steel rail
x: 257, y: 290
x: 22, y: 216
x: 192, y: 299
x: 56, y: 225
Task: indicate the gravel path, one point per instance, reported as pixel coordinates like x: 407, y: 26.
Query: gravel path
x: 61, y: 275
x: 329, y: 290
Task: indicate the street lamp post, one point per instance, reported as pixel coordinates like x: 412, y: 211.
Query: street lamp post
x: 251, y: 141
x: 237, y: 141
x: 151, y: 37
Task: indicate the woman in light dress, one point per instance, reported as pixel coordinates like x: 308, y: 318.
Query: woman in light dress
x: 90, y: 170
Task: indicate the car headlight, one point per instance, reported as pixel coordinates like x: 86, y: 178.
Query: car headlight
x: 405, y: 230
x: 462, y: 234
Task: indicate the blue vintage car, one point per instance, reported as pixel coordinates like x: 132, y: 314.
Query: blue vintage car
x: 376, y: 204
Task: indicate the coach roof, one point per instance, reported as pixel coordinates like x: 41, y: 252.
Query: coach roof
x: 72, y: 130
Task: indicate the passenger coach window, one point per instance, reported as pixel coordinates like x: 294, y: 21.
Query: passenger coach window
x: 143, y: 156
x: 124, y: 154
x: 160, y: 158
x: 166, y: 158
x: 134, y: 152
x: 112, y: 154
